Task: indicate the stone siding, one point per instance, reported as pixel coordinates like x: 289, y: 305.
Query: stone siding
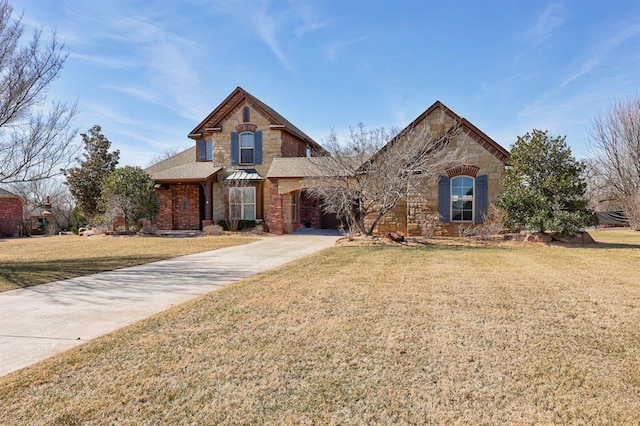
x: 409, y: 216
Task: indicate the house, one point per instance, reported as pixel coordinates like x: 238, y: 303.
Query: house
x: 10, y: 214
x: 223, y: 175
x: 249, y: 163
x: 463, y: 193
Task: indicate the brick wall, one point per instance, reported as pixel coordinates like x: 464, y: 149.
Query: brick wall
x: 276, y: 216
x: 292, y: 146
x: 10, y: 216
x: 179, y: 207
x: 310, y: 210
x: 164, y: 218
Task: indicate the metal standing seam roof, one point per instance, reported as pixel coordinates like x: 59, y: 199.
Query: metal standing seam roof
x: 245, y: 175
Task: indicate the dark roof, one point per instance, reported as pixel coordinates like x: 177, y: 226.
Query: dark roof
x: 215, y: 118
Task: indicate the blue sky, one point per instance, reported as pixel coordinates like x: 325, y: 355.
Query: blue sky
x: 149, y: 71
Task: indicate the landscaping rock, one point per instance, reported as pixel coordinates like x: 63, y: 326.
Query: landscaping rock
x: 581, y: 238
x: 394, y: 236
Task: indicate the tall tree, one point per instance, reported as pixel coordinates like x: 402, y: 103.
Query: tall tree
x: 85, y: 181
x: 34, y: 145
x: 128, y: 192
x: 544, y: 186
x: 615, y: 142
x: 364, y: 178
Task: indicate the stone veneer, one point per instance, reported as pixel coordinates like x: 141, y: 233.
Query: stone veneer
x: 408, y: 216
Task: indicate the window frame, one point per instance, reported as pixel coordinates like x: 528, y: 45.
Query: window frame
x: 252, y: 148
x: 243, y: 204
x: 464, y: 199
x: 294, y: 207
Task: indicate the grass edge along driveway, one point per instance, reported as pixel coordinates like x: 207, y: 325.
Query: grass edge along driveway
x: 516, y: 334
x: 26, y: 262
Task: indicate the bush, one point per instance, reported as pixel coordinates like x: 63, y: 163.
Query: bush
x: 236, y: 225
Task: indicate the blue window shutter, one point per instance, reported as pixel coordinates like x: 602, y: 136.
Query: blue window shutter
x: 481, y: 198
x: 235, y: 148
x: 444, y: 199
x: 257, y: 140
x: 201, y: 150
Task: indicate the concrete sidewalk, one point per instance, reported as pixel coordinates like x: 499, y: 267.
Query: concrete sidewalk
x: 38, y: 322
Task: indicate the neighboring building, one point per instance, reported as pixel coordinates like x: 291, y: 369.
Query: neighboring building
x: 11, y: 220
x: 250, y: 163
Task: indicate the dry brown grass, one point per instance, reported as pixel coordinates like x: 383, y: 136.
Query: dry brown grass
x: 494, y: 334
x: 29, y: 261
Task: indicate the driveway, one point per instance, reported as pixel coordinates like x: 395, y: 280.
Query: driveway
x: 40, y: 321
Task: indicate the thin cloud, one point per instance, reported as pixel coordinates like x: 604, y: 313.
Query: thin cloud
x: 602, y: 51
x: 548, y: 20
x: 104, y: 61
x: 333, y: 49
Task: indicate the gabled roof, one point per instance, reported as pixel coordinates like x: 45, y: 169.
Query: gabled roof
x: 467, y: 127
x: 239, y: 95
x: 182, y: 167
x: 301, y: 167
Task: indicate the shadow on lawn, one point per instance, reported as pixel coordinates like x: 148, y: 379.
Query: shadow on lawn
x: 21, y: 275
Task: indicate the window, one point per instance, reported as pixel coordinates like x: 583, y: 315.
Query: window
x: 185, y: 204
x: 294, y: 207
x: 242, y: 203
x: 247, y: 148
x: 462, y: 199
x: 308, y: 152
x: 205, y: 150
x: 245, y: 115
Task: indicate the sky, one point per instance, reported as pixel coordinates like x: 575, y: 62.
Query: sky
x: 149, y: 71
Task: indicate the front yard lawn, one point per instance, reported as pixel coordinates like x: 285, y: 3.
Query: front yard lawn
x: 30, y: 261
x: 505, y: 333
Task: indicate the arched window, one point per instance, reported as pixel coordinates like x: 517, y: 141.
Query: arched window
x: 247, y: 148
x: 246, y: 117
x: 462, y: 199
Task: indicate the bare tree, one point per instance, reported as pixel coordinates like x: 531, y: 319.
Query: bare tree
x: 34, y: 194
x: 615, y: 159
x: 362, y: 179
x: 165, y: 154
x: 34, y: 145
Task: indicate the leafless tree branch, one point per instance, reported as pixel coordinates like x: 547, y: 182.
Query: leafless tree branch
x: 36, y: 140
x: 363, y: 179
x: 615, y: 157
